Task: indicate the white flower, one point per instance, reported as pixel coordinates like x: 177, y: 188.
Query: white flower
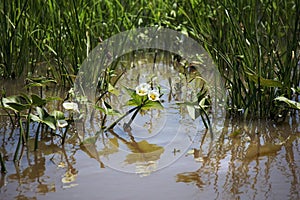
x: 153, y: 95
x: 142, y: 89
x: 71, y: 106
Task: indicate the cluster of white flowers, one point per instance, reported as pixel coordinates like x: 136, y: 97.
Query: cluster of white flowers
x: 145, y: 89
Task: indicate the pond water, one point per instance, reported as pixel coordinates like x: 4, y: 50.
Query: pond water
x: 164, y: 155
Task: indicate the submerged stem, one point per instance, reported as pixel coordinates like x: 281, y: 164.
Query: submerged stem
x: 132, y: 117
x: 3, y: 169
x: 20, y: 140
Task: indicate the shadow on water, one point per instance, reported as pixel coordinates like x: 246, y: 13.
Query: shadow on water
x: 246, y: 160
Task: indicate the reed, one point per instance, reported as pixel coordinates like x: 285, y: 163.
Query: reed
x: 255, y: 44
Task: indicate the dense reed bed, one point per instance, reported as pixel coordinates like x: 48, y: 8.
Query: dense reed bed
x: 255, y: 44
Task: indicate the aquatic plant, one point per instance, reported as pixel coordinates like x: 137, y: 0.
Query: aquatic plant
x: 255, y: 44
x: 143, y: 97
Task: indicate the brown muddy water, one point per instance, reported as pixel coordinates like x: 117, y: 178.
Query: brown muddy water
x: 244, y: 160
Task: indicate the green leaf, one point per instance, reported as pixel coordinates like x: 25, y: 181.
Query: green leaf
x: 291, y: 103
x: 132, y: 102
x: 37, y: 101
x: 34, y: 118
x: 152, y: 105
x: 18, y: 107
x: 40, y: 112
x: 50, y: 121
x: 53, y: 99
x: 100, y: 108
x: 264, y: 81
x: 15, y: 103
x: 112, y: 89
x: 25, y: 98
x: 34, y: 85
x: 58, y: 115
x: 131, y: 92
x: 108, y: 111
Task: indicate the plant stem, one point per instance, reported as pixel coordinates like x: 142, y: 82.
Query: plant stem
x: 3, y: 169
x: 133, y: 116
x: 122, y: 117
x: 20, y: 140
x: 27, y: 125
x: 36, y: 140
x: 65, y: 134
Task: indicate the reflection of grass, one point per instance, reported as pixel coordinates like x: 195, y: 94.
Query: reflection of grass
x: 270, y: 155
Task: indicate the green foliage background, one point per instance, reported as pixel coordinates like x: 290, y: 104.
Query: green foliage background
x: 254, y: 43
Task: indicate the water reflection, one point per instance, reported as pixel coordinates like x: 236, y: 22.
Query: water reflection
x: 253, y: 160
x: 262, y: 161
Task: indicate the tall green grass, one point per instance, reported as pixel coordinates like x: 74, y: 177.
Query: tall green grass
x: 255, y: 44
x: 58, y: 35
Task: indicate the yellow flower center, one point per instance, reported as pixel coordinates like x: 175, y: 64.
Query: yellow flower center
x: 153, y: 96
x: 142, y: 91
